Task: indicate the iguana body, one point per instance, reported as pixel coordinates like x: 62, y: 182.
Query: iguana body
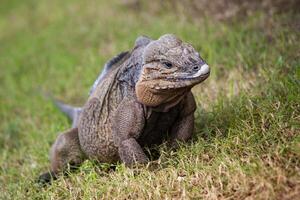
x: 142, y: 98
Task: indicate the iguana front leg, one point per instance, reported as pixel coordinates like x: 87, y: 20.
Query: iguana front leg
x: 131, y: 152
x: 128, y: 124
x: 182, y: 130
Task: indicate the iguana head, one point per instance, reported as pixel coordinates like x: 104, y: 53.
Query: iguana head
x: 170, y: 69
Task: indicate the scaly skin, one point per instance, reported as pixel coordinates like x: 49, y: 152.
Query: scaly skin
x: 143, y: 99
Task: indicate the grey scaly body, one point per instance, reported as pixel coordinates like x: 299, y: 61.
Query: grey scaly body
x: 142, y: 99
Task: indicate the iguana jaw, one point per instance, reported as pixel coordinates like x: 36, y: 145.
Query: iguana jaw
x: 168, y: 90
x: 183, y: 81
x: 174, y: 80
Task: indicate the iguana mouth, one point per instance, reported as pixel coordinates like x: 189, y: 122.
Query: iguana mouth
x: 190, y: 77
x: 165, y: 86
x: 203, y: 72
x: 187, y: 80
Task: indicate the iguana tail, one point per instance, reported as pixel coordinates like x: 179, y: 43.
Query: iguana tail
x: 73, y: 113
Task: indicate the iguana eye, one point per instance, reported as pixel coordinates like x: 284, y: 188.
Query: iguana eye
x: 168, y: 65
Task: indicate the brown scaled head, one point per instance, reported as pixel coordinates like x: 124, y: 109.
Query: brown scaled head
x: 170, y: 69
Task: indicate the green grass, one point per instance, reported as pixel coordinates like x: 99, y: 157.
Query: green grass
x: 246, y: 143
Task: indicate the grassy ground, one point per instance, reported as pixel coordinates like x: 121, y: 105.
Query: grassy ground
x: 247, y: 141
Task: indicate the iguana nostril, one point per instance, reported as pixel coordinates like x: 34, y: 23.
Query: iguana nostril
x: 196, y: 67
x: 203, y: 70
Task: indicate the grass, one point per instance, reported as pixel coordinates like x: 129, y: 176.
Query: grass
x: 246, y: 143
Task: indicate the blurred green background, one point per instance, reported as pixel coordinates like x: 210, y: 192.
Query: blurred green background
x: 247, y: 127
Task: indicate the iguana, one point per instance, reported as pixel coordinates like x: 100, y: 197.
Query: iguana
x: 142, y: 98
